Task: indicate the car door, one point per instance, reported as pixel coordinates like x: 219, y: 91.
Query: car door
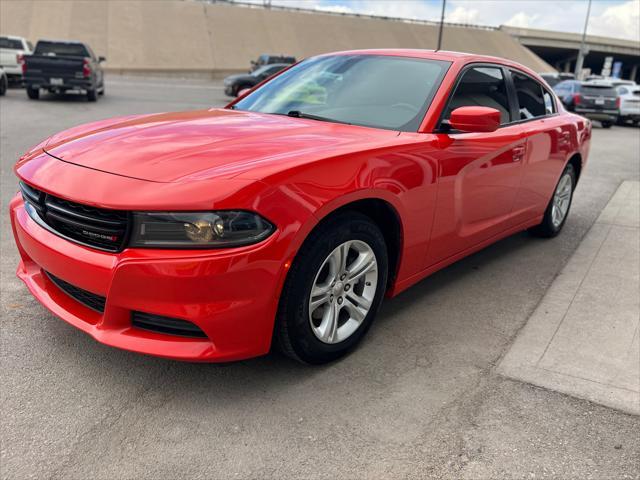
x: 479, y: 173
x: 95, y: 66
x: 548, y: 145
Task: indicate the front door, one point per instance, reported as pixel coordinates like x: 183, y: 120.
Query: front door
x: 479, y: 173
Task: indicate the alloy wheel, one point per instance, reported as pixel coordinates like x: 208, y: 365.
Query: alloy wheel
x: 343, y: 291
x: 561, y: 200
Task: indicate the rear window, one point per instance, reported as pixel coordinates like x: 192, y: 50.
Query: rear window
x: 61, y: 48
x: 599, y: 90
x: 531, y: 102
x: 10, y: 43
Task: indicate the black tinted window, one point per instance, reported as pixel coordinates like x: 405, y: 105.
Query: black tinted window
x: 549, y: 104
x: 63, y: 49
x: 10, y: 43
x: 531, y: 103
x: 599, y: 90
x: 484, y: 87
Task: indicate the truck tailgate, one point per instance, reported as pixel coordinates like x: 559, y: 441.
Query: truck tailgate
x: 54, y: 66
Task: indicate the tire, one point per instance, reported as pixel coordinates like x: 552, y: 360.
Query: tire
x: 549, y: 227
x: 33, y: 93
x: 298, y: 331
x: 3, y: 85
x: 606, y: 124
x: 239, y: 88
x: 101, y: 91
x: 92, y: 95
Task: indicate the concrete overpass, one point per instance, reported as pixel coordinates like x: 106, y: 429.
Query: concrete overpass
x: 198, y: 38
x: 560, y: 49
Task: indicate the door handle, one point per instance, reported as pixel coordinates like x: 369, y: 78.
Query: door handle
x: 518, y: 153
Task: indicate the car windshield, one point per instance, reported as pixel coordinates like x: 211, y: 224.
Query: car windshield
x: 377, y: 91
x: 604, y: 90
x: 64, y: 49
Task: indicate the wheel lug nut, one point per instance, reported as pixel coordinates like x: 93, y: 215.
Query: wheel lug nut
x: 343, y: 276
x: 347, y: 287
x: 340, y: 300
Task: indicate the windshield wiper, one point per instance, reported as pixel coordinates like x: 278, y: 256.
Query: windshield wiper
x: 299, y: 114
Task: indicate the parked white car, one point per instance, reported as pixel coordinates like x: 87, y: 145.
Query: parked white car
x: 629, y: 103
x: 11, y: 48
x: 4, y: 83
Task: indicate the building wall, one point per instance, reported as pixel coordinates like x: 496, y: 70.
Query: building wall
x: 211, y: 39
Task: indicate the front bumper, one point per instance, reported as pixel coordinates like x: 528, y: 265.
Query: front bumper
x: 231, y: 295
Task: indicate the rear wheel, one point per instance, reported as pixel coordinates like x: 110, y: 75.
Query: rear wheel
x: 239, y: 88
x: 558, y: 209
x: 33, y: 93
x: 606, y: 124
x: 4, y: 84
x: 92, y: 95
x: 333, y: 290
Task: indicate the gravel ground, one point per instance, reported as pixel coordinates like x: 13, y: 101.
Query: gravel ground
x: 420, y: 398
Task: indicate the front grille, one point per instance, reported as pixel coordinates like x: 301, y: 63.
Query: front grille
x: 94, y: 227
x: 88, y: 299
x: 166, y: 325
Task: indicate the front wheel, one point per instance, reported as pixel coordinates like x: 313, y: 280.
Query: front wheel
x: 333, y: 290
x: 558, y: 209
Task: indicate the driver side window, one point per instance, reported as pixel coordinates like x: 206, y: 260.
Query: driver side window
x: 484, y: 87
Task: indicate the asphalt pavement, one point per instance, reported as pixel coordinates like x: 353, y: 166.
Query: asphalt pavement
x: 420, y: 398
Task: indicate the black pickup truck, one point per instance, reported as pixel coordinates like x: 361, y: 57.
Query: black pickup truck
x: 58, y: 66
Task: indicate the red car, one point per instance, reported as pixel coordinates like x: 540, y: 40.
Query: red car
x: 286, y: 217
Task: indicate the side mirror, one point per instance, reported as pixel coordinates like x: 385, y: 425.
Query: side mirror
x: 243, y: 92
x: 475, y: 119
x: 102, y: 59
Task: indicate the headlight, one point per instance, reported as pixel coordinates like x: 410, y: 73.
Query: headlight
x: 198, y: 229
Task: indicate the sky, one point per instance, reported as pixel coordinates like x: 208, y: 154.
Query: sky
x: 611, y: 18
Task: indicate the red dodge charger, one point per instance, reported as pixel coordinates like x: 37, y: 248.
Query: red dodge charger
x: 286, y: 217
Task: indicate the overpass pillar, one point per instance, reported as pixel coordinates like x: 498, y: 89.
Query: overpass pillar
x: 567, y: 66
x: 634, y: 72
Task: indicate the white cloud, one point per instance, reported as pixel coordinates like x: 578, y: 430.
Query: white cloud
x: 463, y: 15
x: 523, y: 20
x: 612, y: 18
x: 618, y: 21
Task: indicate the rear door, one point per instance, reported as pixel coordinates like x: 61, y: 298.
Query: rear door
x: 548, y: 143
x: 479, y: 173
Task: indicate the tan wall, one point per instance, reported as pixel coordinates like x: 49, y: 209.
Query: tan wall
x: 187, y: 36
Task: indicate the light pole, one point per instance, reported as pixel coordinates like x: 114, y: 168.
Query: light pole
x: 444, y: 3
x: 582, y: 53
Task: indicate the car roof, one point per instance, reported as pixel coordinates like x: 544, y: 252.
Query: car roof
x: 12, y: 37
x: 597, y: 83
x: 71, y: 42
x: 446, y: 55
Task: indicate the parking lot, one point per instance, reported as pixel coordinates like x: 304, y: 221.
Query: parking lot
x: 419, y: 398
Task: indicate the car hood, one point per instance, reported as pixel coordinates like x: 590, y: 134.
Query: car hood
x: 239, y: 76
x: 216, y: 143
